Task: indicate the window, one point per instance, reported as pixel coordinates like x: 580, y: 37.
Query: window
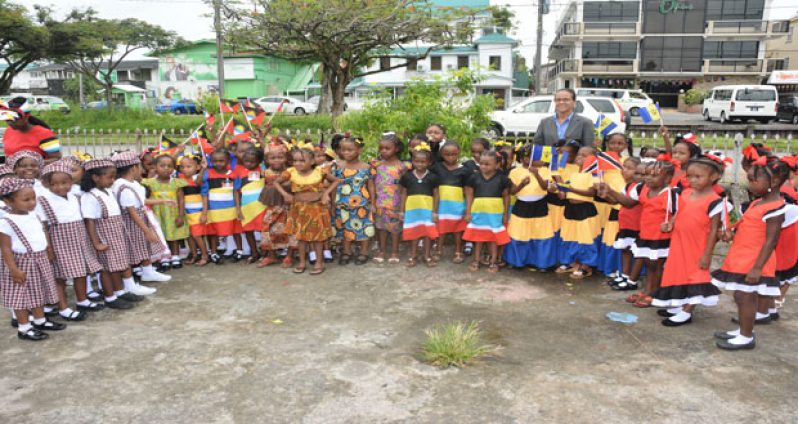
x: 728, y: 10
x: 385, y: 63
x: 754, y: 95
x: 541, y: 106
x: 603, y: 11
x: 637, y: 96
x: 790, y: 34
x: 673, y: 22
x: 435, y: 63
x: 495, y: 63
x: 412, y: 64
x: 609, y: 50
x: 122, y: 76
x: 671, y: 54
x: 603, y: 106
x: 723, y: 94
x: 731, y: 49
x: 462, y: 62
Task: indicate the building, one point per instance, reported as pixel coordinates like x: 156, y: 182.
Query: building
x: 189, y: 72
x: 663, y: 46
x: 784, y: 48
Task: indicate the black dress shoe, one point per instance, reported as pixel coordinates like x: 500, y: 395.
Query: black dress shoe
x: 664, y: 313
x: 760, y: 321
x: 14, y: 323
x: 723, y: 335
x: 51, y: 313
x: 50, y: 326
x: 725, y: 345
x: 130, y: 297
x: 118, y: 304
x: 32, y: 335
x: 775, y: 316
x: 93, y: 308
x: 668, y: 323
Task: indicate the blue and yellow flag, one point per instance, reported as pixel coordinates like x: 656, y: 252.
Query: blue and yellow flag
x: 605, y: 125
x: 650, y: 113
x: 543, y: 153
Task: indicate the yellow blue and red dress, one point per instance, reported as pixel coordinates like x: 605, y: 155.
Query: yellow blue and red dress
x: 487, y: 209
x: 419, y: 205
x: 451, y: 202
x: 219, y: 188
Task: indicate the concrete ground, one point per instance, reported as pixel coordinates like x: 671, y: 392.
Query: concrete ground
x: 236, y: 344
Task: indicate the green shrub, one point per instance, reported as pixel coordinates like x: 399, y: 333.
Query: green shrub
x: 454, y: 344
x: 694, y: 96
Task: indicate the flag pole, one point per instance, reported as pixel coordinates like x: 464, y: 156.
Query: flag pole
x: 221, y: 112
x: 246, y: 118
x: 224, y: 129
x: 192, y: 133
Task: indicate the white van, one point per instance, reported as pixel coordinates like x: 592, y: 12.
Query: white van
x: 741, y: 102
x: 630, y: 100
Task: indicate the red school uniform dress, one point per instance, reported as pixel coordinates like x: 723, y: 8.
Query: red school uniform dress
x: 747, y: 243
x: 683, y: 281
x: 787, y: 247
x: 653, y: 244
x: 629, y: 220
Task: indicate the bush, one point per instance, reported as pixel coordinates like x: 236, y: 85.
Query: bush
x: 694, y: 96
x: 454, y: 344
x: 450, y: 102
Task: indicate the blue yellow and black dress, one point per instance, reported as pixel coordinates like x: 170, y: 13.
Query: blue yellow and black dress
x: 530, y: 228
x: 419, y: 205
x: 487, y: 209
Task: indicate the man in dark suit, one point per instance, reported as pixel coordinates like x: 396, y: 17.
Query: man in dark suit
x: 565, y: 124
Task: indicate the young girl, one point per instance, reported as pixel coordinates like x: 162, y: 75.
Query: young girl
x: 353, y: 194
x: 787, y: 247
x: 190, y: 172
x: 478, y: 147
x: 683, y: 149
x: 105, y: 226
x: 147, y: 158
x: 141, y: 238
x: 27, y: 282
x: 659, y: 202
x: 73, y: 256
x: 609, y: 262
x: 557, y: 204
x: 171, y: 214
x: 628, y: 227
x: 309, y: 217
x: 273, y: 234
x: 221, y: 204
x: 252, y: 210
x: 685, y: 280
x: 451, y: 204
x: 578, y: 252
x: 419, y: 200
x: 530, y: 228
x: 436, y: 138
x: 487, y: 200
x: 28, y: 166
x: 750, y: 266
x: 388, y: 195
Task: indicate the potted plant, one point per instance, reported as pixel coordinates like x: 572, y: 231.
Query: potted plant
x: 691, y: 101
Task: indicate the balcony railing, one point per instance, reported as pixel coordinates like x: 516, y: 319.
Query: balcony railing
x: 777, y: 64
x: 764, y: 28
x: 728, y: 66
x: 610, y: 28
x: 608, y: 65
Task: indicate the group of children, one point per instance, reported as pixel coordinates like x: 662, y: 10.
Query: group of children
x: 573, y: 210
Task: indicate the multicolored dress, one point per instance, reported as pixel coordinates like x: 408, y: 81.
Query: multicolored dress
x: 192, y: 200
x: 165, y: 214
x: 389, y: 195
x: 579, y: 231
x: 308, y: 221
x: 251, y: 209
x: 273, y: 234
x: 487, y: 209
x: 451, y: 203
x: 419, y: 205
x: 353, y: 220
x: 530, y: 226
x: 219, y: 188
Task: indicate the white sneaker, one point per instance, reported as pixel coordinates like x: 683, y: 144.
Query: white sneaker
x: 140, y: 290
x: 155, y: 277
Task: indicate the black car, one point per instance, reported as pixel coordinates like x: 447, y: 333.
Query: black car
x: 788, y: 108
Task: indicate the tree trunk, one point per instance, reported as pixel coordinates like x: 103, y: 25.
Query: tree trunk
x: 5, y: 85
x: 338, y: 84
x: 109, y: 86
x: 325, y: 100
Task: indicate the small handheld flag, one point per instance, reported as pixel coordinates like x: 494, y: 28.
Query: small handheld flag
x: 560, y: 162
x: 254, y: 116
x: 650, y: 113
x: 210, y: 118
x: 543, y: 153
x: 608, y: 161
x: 166, y: 145
x: 229, y: 106
x: 605, y: 125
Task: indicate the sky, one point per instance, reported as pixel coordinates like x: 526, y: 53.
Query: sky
x: 192, y: 19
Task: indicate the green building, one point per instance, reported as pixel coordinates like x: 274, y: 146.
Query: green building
x: 189, y: 72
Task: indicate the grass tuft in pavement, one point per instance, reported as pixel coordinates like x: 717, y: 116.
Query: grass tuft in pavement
x: 455, y: 344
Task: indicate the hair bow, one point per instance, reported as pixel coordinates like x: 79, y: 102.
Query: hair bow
x: 792, y: 161
x: 761, y: 161
x: 422, y: 146
x: 83, y: 156
x: 719, y: 158
x: 500, y: 143
x: 518, y: 147
x: 750, y: 153
x: 303, y: 145
x: 664, y: 157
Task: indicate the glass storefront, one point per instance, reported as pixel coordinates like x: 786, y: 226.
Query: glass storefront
x: 673, y: 16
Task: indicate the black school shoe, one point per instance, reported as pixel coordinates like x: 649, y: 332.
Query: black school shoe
x: 93, y: 307
x: 215, y: 258
x: 668, y: 323
x: 130, y: 297
x: 33, y: 335
x: 50, y: 326
x: 118, y: 304
x: 725, y: 345
x: 760, y: 321
x: 664, y: 313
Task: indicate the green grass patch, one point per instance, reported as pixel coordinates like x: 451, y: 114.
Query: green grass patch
x: 455, y: 344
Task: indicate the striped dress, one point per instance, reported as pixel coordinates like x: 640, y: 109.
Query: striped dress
x: 419, y: 205
x: 579, y: 230
x: 219, y: 188
x: 192, y: 199
x: 251, y: 208
x: 530, y: 227
x: 451, y: 204
x: 487, y: 209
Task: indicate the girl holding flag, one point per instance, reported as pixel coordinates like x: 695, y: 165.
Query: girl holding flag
x: 610, y: 166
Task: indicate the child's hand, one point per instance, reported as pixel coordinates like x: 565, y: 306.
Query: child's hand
x: 534, y: 170
x: 239, y: 215
x: 526, y: 180
x: 151, y: 236
x: 325, y: 199
x: 552, y: 187
x: 434, y: 217
x: 179, y: 221
x: 704, y: 261
x: 18, y: 276
x: 753, y: 276
x: 726, y: 235
x: 666, y: 227
x: 288, y: 198
x: 100, y: 247
x: 663, y: 130
x: 203, y: 218
x: 467, y: 217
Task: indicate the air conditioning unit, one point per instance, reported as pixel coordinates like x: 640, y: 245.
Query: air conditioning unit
x: 420, y: 68
x: 450, y: 66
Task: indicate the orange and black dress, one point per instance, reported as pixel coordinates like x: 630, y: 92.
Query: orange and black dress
x: 308, y: 221
x: 653, y: 243
x: 787, y: 247
x: 748, y: 242
x: 683, y: 281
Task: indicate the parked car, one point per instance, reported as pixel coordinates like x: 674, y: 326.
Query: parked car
x: 630, y: 100
x: 289, y: 105
x: 741, y: 102
x: 316, y: 99
x: 788, y: 108
x: 179, y: 107
x: 98, y: 105
x: 42, y: 103
x: 526, y: 115
x: 252, y: 101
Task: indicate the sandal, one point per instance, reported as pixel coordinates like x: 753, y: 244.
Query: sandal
x: 394, y: 260
x: 73, y: 316
x: 473, y: 266
x: 317, y: 271
x: 253, y: 258
x: 288, y: 262
x: 643, y: 302
x: 380, y: 258
x: 202, y: 262
x: 458, y: 258
x: 266, y: 261
x: 564, y: 269
x: 632, y: 298
x: 431, y: 262
x: 502, y: 263
x: 361, y: 259
x: 411, y: 262
x: 190, y: 259
x: 344, y: 259
x: 299, y: 270
x: 493, y: 268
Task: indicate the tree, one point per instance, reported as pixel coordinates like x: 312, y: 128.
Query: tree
x: 90, y: 89
x: 345, y: 36
x: 502, y: 18
x: 96, y: 47
x: 22, y: 41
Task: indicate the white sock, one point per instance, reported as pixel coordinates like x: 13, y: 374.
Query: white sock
x: 48, y: 309
x: 147, y: 269
x: 129, y: 283
x: 740, y: 340
x: 119, y: 292
x: 682, y: 316
x: 110, y: 298
x: 175, y: 258
x: 772, y: 310
x: 734, y: 332
x: 13, y: 314
x: 312, y: 256
x: 39, y: 321
x: 86, y: 302
x: 24, y: 328
x: 327, y: 254
x: 675, y: 310
x: 761, y: 316
x: 66, y: 312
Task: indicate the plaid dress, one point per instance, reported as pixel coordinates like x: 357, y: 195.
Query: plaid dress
x: 110, y: 230
x: 138, y: 247
x: 39, y: 287
x: 74, y: 256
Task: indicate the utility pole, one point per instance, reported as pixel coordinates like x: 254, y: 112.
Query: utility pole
x: 539, y: 47
x: 217, y: 26
x: 81, y: 98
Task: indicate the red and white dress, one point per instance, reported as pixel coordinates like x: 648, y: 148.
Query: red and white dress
x: 748, y: 242
x: 653, y: 244
x: 787, y: 247
x: 102, y: 207
x: 30, y: 255
x: 683, y: 281
x: 131, y: 194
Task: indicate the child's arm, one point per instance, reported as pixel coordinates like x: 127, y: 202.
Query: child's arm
x: 403, y: 199
x: 772, y: 232
x: 615, y: 196
x: 278, y: 185
x: 469, y: 198
x: 506, y: 199
x: 372, y: 195
x: 8, y: 257
x: 181, y: 207
x: 204, y: 191
x: 436, y: 198
x: 151, y: 236
x: 153, y: 202
x: 666, y: 139
x: 50, y: 251
x: 237, y: 201
x: 544, y: 184
x: 91, y: 228
x: 590, y: 192
x: 325, y: 197
x: 712, y: 238
x: 516, y: 188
